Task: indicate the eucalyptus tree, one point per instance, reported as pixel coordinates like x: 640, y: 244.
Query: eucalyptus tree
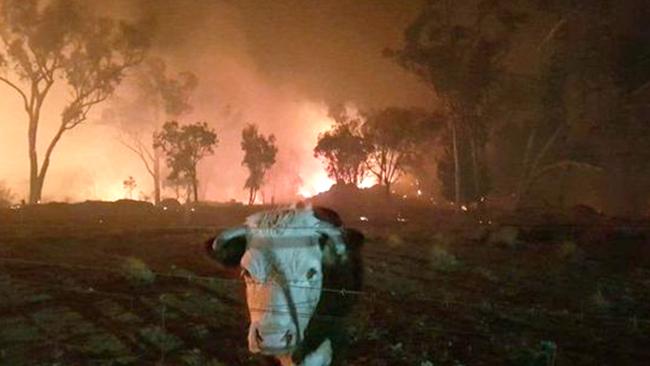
x: 62, y: 42
x: 259, y: 157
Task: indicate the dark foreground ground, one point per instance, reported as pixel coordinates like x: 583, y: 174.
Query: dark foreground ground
x: 101, y: 284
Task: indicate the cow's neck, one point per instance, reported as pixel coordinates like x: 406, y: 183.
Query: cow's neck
x: 322, y: 356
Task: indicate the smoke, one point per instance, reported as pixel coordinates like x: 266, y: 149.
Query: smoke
x: 277, y: 64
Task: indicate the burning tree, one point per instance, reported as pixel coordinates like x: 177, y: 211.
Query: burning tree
x: 259, y: 157
x: 185, y: 146
x: 62, y: 42
x: 344, y: 149
x: 392, y: 135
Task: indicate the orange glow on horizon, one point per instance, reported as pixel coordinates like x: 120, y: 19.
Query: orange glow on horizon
x: 313, y: 173
x: 112, y: 192
x: 317, y: 183
x: 367, y: 182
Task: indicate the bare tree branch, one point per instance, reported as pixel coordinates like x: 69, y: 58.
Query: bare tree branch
x: 17, y: 89
x: 139, y: 153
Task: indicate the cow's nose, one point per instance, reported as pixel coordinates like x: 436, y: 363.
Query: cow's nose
x: 274, y: 339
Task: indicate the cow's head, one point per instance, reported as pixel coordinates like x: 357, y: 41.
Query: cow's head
x: 286, y: 257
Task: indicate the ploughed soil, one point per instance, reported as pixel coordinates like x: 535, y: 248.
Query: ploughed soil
x: 129, y: 284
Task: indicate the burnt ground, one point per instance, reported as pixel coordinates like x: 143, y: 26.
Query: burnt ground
x: 442, y: 288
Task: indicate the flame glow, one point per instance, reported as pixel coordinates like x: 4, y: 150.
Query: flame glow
x: 367, y: 182
x: 112, y: 192
x: 313, y: 174
x: 317, y: 183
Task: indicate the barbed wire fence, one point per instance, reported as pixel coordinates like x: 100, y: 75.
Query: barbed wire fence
x: 192, y: 278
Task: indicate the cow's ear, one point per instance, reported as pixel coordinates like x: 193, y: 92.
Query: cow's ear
x: 327, y: 215
x: 353, y: 239
x: 228, y: 247
x: 341, y: 246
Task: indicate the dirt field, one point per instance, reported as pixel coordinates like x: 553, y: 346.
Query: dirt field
x: 104, y: 284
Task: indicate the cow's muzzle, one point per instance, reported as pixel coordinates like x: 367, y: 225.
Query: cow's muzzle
x: 271, y: 341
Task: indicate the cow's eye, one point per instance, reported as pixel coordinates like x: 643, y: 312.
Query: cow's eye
x: 311, y: 273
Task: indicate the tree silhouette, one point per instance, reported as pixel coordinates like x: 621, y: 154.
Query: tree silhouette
x: 459, y: 52
x: 61, y: 41
x: 259, y: 157
x: 185, y: 146
x: 391, y: 135
x: 159, y: 92
x: 345, y: 151
x: 6, y: 196
x: 129, y: 185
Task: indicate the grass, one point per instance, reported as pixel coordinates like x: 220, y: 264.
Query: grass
x: 545, y: 354
x: 160, y: 339
x: 17, y: 330
x: 442, y: 299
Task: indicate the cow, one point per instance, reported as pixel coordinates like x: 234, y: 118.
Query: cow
x: 303, y: 274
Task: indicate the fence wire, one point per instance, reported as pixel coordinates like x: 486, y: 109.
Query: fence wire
x: 372, y: 296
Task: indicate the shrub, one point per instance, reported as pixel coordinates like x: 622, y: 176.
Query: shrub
x: 544, y: 355
x: 505, y: 235
x: 137, y: 272
x: 6, y: 196
x: 599, y: 300
x: 395, y: 240
x: 570, y: 251
x: 443, y: 239
x: 159, y: 338
x: 442, y: 260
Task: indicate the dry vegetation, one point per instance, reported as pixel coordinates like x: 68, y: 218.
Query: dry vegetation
x: 126, y: 283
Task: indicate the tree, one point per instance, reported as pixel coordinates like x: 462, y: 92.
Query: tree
x: 423, y: 162
x: 185, y: 146
x: 574, y: 113
x: 6, y: 196
x: 459, y: 52
x: 129, y: 185
x: 391, y: 135
x: 157, y: 92
x: 598, y: 61
x: 259, y: 157
x: 61, y: 41
x: 179, y: 186
x: 344, y: 149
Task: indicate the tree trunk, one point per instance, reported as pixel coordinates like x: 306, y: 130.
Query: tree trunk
x: 195, y: 187
x: 188, y: 193
x: 156, y: 176
x: 454, y: 139
x: 532, y: 172
x: 251, y: 196
x: 525, y: 166
x: 35, y: 186
x: 46, y: 160
x: 475, y: 168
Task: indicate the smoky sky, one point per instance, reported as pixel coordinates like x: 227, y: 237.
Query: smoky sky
x: 329, y: 50
x: 277, y: 64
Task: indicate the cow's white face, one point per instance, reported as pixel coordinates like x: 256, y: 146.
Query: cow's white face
x: 284, y: 280
x: 285, y: 256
